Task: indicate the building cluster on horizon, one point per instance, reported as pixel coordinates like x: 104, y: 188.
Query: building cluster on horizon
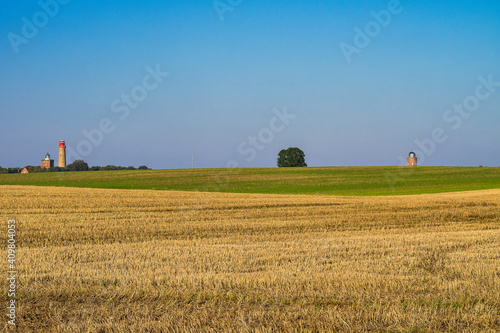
x: 47, y: 162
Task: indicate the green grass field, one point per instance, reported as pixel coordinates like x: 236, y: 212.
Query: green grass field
x: 352, y: 181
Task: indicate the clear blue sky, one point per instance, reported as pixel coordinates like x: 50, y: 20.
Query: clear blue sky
x: 229, y: 67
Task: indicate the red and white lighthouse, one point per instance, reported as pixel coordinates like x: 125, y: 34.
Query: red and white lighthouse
x: 62, y: 154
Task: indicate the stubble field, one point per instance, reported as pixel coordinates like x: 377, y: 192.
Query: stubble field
x: 106, y: 260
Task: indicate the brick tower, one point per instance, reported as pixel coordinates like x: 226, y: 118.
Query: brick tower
x: 62, y: 154
x: 412, y: 159
x: 47, y: 162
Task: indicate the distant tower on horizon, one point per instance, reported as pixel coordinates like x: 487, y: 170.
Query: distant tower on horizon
x: 62, y: 154
x: 412, y: 159
x: 47, y: 162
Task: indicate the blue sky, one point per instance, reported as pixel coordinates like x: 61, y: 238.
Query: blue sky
x: 249, y: 78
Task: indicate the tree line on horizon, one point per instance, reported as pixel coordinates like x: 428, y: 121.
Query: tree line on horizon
x: 78, y: 165
x: 291, y: 157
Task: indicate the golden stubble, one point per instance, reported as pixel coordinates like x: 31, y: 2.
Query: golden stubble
x: 99, y: 260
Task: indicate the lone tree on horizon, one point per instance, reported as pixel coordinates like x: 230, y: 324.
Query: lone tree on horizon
x: 291, y: 157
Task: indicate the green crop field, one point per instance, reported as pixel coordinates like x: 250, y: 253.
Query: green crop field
x: 351, y: 181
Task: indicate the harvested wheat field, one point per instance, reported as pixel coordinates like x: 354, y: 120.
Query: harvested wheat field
x: 105, y: 260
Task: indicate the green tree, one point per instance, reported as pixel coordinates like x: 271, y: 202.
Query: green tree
x: 291, y: 157
x: 78, y: 165
x: 142, y: 167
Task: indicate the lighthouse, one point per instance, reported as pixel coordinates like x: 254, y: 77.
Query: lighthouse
x: 47, y: 162
x: 62, y: 154
x: 412, y: 159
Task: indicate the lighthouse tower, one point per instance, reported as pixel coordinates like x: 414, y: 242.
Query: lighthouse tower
x: 412, y: 159
x: 62, y: 154
x: 47, y: 162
